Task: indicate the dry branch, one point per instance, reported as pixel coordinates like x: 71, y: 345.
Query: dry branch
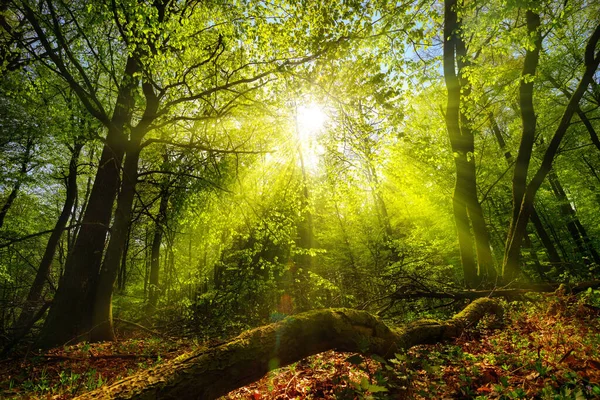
x: 208, y: 373
x: 502, y: 292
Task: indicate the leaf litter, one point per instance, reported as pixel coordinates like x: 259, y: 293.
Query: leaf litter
x: 548, y: 349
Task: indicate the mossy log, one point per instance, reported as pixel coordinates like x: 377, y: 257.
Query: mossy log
x: 208, y: 373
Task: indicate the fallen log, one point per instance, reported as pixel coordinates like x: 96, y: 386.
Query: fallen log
x: 208, y: 373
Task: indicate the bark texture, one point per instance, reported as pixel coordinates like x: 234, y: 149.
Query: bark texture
x: 468, y: 214
x: 553, y: 256
x: 518, y: 226
x: 209, y: 373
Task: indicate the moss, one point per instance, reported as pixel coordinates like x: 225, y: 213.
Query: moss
x: 208, y: 373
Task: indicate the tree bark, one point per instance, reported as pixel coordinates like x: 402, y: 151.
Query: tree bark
x: 468, y: 212
x: 528, y: 119
x: 518, y: 226
x: 579, y: 234
x: 35, y: 292
x: 70, y: 315
x: 159, y: 226
x: 553, y: 256
x: 102, y: 324
x: 209, y: 373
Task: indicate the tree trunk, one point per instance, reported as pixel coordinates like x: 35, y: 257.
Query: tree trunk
x: 102, y: 318
x: 122, y: 276
x: 553, y: 256
x: 485, y: 262
x: 567, y: 212
x: 512, y: 254
x: 209, y: 373
x: 468, y: 212
x: 578, y: 232
x: 35, y: 292
x: 102, y: 323
x: 154, y: 274
x: 515, y: 236
x: 70, y: 315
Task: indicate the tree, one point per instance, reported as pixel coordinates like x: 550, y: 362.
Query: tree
x: 525, y: 192
x: 468, y: 213
x: 136, y: 48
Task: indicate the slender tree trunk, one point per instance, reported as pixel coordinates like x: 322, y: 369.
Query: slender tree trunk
x: 582, y: 241
x: 122, y: 277
x: 512, y: 254
x: 154, y: 274
x: 26, y: 158
x: 468, y: 212
x: 519, y: 225
x: 553, y: 256
x: 35, y: 292
x: 70, y: 316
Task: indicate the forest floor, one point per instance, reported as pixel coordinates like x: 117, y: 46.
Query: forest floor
x: 548, y: 349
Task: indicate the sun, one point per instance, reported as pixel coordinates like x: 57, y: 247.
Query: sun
x: 310, y: 119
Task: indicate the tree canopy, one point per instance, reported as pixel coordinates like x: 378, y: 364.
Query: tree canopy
x: 212, y: 166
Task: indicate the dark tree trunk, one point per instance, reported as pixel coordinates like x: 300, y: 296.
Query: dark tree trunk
x: 518, y: 226
x: 468, y: 213
x: 102, y: 322
x: 544, y: 237
x: 159, y: 226
x: 512, y: 253
x: 122, y: 277
x: 102, y: 318
x: 71, y: 313
x: 582, y: 241
x: 567, y: 213
x: 43, y: 273
x: 553, y: 256
x: 209, y: 373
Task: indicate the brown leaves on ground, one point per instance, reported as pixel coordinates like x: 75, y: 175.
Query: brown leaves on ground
x: 549, y: 348
x: 65, y: 372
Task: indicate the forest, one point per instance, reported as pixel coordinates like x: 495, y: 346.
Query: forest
x: 287, y: 199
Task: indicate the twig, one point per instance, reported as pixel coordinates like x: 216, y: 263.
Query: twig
x: 135, y: 324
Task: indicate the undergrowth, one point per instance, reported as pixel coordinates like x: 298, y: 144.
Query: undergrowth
x: 548, y: 348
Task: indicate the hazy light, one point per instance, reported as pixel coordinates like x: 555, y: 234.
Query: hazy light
x: 311, y: 119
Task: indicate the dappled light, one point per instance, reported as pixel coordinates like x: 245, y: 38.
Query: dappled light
x: 354, y: 200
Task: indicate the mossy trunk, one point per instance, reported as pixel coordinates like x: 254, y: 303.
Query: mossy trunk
x: 208, y: 373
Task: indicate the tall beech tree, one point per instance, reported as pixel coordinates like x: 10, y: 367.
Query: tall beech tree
x: 468, y: 214
x: 524, y: 192
x: 136, y: 98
